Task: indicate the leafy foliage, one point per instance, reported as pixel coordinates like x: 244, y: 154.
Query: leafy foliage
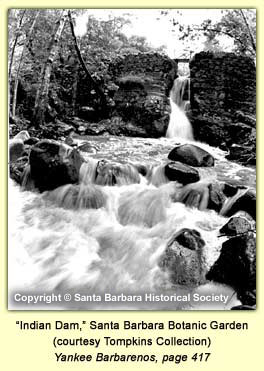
x: 69, y: 89
x: 235, y: 25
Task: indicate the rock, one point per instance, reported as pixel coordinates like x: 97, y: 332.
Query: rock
x: 248, y: 119
x: 243, y: 154
x: 142, y: 169
x: 23, y: 135
x: 211, y: 130
x: 184, y: 258
x: 236, y: 265
x: 78, y: 196
x: 229, y: 190
x: 111, y: 174
x: 247, y: 297
x: 245, y: 202
x: 236, y: 225
x: 31, y: 141
x: 63, y: 128
x: 16, y: 149
x: 243, y: 307
x: 189, y: 238
x: 176, y: 171
x: 81, y: 130
x: 87, y: 113
x: 194, y: 195
x: 191, y: 155
x: 16, y: 169
x: 216, y: 197
x: 54, y: 164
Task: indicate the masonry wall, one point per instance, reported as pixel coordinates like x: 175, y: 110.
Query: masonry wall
x: 144, y: 82
x: 223, y: 103
x: 222, y: 82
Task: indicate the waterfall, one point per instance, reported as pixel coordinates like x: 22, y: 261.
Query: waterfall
x: 179, y: 125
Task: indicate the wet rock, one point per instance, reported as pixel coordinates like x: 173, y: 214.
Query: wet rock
x: 216, y: 197
x: 110, y: 173
x: 176, y: 171
x: 189, y: 238
x: 245, y: 202
x: 54, y: 164
x: 144, y: 208
x: 16, y: 169
x: 243, y: 154
x: 184, y: 258
x: 247, y: 297
x: 23, y: 135
x: 191, y: 155
x: 142, y: 169
x: 236, y: 265
x: 31, y: 141
x: 236, y: 225
x: 229, y: 190
x: 78, y: 196
x: 16, y: 149
x: 194, y: 195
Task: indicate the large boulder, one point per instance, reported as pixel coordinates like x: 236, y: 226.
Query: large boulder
x: 184, y: 174
x: 191, y: 155
x: 184, y: 258
x: 54, y: 164
x: 236, y: 265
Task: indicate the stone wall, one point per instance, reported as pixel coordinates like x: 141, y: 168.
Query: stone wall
x: 223, y: 102
x: 222, y: 82
x: 144, y: 82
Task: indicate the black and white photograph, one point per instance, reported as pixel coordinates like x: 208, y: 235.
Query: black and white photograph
x: 132, y: 159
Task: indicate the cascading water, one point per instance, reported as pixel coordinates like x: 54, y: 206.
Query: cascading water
x: 179, y: 125
x: 96, y: 238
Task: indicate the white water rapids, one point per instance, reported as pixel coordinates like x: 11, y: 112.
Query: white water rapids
x: 56, y: 245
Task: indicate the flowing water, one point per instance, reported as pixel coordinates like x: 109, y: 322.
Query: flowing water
x: 179, y: 124
x: 95, y: 238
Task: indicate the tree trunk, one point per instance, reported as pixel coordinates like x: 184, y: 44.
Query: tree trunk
x: 19, y: 24
x: 21, y: 63
x: 92, y: 82
x: 43, y: 90
x: 75, y: 89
